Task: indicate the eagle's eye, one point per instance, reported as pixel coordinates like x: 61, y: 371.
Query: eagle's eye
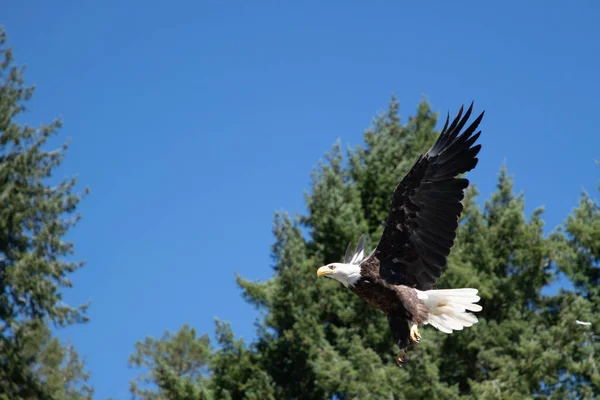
x: 332, y: 267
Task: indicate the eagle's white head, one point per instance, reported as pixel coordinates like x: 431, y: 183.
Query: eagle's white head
x: 347, y: 272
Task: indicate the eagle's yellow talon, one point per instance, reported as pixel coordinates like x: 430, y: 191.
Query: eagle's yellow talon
x: 415, y: 336
x: 399, y: 360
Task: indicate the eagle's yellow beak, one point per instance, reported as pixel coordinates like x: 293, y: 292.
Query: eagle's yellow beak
x: 324, y: 271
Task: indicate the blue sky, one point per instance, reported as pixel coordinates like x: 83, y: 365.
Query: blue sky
x: 193, y: 122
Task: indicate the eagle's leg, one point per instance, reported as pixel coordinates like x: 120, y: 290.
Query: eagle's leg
x: 401, y: 333
x: 415, y: 336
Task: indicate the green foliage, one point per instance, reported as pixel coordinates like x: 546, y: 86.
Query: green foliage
x: 317, y: 340
x: 55, y: 369
x: 35, y: 215
x: 237, y: 372
x: 580, y: 262
x: 176, y: 364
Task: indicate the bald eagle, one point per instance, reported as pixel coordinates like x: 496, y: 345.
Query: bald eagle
x: 398, y: 276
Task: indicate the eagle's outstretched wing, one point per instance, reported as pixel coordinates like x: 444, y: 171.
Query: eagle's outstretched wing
x: 421, y: 226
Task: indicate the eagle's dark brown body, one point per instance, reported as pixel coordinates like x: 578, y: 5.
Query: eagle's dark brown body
x: 397, y: 300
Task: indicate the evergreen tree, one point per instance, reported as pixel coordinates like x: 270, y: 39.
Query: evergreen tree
x: 577, y: 346
x: 317, y: 340
x: 34, y: 217
x: 175, y: 364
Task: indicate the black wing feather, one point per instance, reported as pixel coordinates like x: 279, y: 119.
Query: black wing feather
x: 348, y: 255
x: 426, y: 204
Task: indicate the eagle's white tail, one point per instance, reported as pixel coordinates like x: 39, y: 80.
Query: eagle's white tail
x: 448, y: 308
